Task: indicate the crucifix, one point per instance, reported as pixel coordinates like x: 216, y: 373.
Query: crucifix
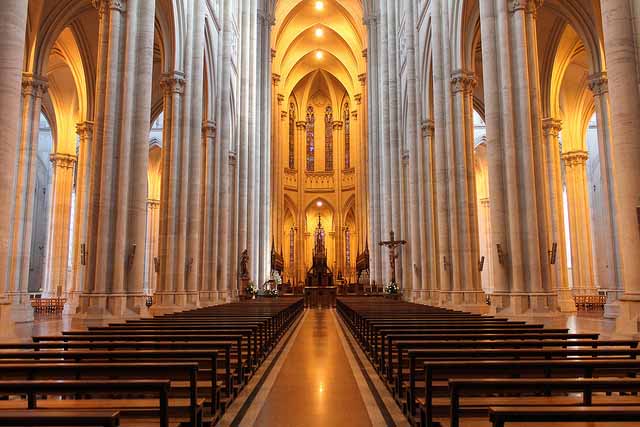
x: 392, y: 244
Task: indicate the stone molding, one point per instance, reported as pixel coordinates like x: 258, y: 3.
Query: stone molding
x: 103, y: 5
x: 301, y: 124
x: 33, y: 85
x: 84, y: 129
x: 173, y: 83
x: 599, y: 83
x: 280, y: 99
x: 362, y: 78
x: 358, y: 98
x: 528, y: 6
x: 428, y: 128
x: 463, y: 81
x: 61, y: 160
x: 337, y: 124
x: 551, y: 127
x: 575, y: 158
x: 275, y: 79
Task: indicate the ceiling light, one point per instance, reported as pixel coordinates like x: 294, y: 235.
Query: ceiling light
x: 319, y: 32
x: 319, y: 5
x: 319, y: 54
x: 319, y: 203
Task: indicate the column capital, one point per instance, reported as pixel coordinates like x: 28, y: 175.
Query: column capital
x: 370, y: 19
x: 551, y: 126
x: 103, y: 5
x: 358, y: 98
x: 463, y: 81
x: 284, y: 114
x: 84, y: 129
x: 273, y: 53
x: 484, y: 202
x: 405, y: 157
x: 354, y: 114
x: 575, y: 158
x: 153, y: 203
x: 280, y: 99
x: 173, y: 83
x: 33, y: 85
x: 337, y: 124
x: 62, y: 160
x: 528, y: 6
x: 209, y: 127
x: 599, y: 83
x: 428, y: 128
x: 275, y: 79
x: 362, y: 78
x: 301, y: 124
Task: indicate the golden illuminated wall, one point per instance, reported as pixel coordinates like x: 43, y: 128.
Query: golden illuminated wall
x: 318, y: 66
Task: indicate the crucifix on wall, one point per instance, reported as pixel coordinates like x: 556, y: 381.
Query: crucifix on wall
x: 392, y: 244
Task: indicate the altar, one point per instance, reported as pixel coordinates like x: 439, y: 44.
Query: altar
x: 320, y: 296
x: 319, y: 290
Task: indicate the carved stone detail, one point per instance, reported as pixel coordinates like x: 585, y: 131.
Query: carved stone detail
x: 599, y: 83
x: 61, y: 160
x: 35, y: 86
x: 551, y: 127
x: 463, y: 81
x: 173, y: 83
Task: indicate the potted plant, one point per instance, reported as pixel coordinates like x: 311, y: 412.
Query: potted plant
x: 250, y: 290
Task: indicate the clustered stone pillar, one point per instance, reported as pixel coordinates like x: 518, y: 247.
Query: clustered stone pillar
x: 579, y: 221
x: 33, y: 89
x: 209, y: 212
x: 85, y: 133
x: 518, y: 181
x: 63, y: 166
x: 622, y: 50
x: 559, y: 276
x: 607, y: 250
x: 13, y: 15
x: 153, y: 228
x: 114, y: 274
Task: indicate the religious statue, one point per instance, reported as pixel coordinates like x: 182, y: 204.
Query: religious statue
x: 244, y: 261
x: 392, y: 244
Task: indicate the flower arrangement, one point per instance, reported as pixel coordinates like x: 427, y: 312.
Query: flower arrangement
x: 391, y: 289
x: 250, y: 290
x: 272, y: 293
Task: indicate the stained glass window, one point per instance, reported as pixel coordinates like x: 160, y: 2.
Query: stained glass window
x: 292, y: 130
x: 311, y: 155
x: 328, y: 139
x: 347, y: 137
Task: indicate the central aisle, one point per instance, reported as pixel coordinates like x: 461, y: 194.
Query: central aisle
x: 316, y: 385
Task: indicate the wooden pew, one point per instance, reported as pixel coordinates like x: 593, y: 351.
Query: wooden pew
x: 177, y: 373
x: 499, y: 416
x: 586, y: 386
x: 437, y: 372
x: 36, y: 388
x: 62, y: 418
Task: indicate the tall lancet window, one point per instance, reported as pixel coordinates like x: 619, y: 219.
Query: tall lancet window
x: 292, y: 239
x: 328, y: 139
x: 311, y: 149
x: 292, y: 130
x: 347, y: 137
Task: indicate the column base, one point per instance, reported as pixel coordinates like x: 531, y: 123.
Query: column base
x: 524, y: 303
x: 111, y: 306
x: 566, y: 303
x: 16, y: 308
x: 612, y: 307
x: 473, y: 301
x: 629, y: 315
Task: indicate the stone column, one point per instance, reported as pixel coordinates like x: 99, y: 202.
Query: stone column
x: 153, y: 228
x: 85, y: 132
x: 484, y: 234
x: 464, y: 219
x: 114, y: 274
x: 172, y: 264
x: 579, y: 222
x: 63, y: 166
x: 559, y: 273
x: 33, y: 89
x: 338, y: 141
x: 209, y: 212
x: 427, y: 218
x: 301, y: 228
x: 13, y: 15
x: 607, y: 254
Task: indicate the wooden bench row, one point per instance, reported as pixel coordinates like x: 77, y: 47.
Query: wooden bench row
x: 419, y: 350
x: 209, y: 352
